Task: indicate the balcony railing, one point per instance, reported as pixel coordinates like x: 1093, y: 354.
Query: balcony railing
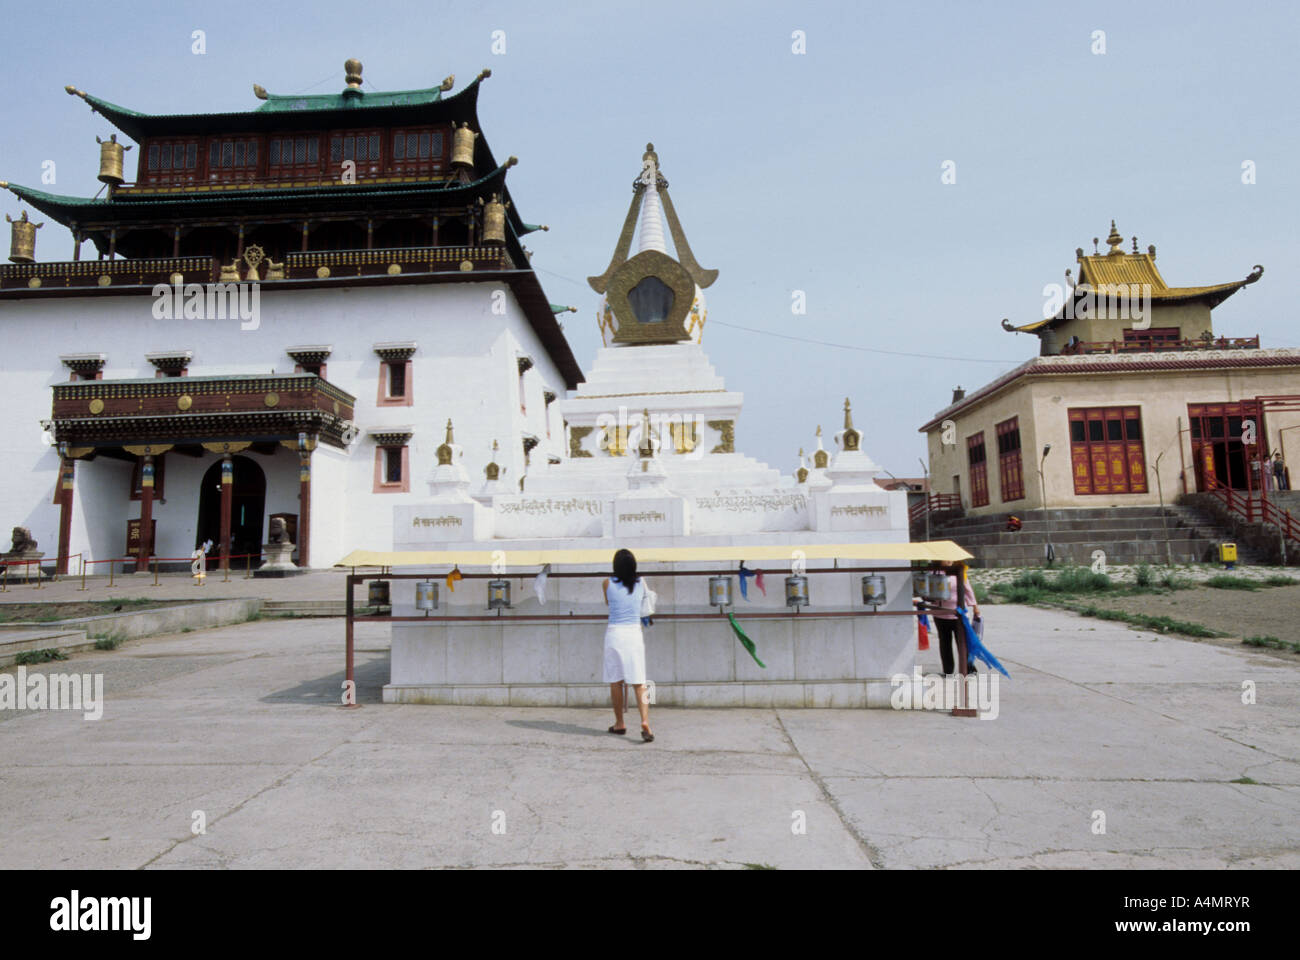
x: 1156, y: 346
x: 302, y: 265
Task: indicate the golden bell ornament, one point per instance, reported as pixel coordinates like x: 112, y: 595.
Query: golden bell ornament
x: 462, y: 146
x: 111, y: 157
x: 22, y: 243
x: 494, y: 221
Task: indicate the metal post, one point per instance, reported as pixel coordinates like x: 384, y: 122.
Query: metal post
x: 1169, y: 555
x: 350, y: 672
x: 155, y: 572
x: 83, y: 572
x: 1047, y: 516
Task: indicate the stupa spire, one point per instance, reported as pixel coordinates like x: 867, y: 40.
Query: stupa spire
x: 650, y: 231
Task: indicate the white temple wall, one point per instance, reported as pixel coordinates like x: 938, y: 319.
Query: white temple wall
x: 464, y: 367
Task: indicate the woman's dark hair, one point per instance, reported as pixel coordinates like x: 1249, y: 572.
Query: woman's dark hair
x: 625, y: 569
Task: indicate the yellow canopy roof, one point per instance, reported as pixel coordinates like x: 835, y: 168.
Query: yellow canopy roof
x: 936, y: 550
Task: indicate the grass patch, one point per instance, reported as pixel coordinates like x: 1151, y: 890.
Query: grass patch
x: 109, y: 642
x: 1157, y: 624
x: 1036, y: 587
x: 1246, y: 780
x: 1144, y: 577
x: 1279, y: 580
x: 1226, y: 582
x: 27, y: 657
x: 1272, y: 643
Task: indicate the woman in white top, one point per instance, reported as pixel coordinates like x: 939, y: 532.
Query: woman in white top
x: 624, y: 645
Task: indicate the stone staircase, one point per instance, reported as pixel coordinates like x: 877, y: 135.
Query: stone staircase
x: 1253, y: 538
x: 1126, y: 534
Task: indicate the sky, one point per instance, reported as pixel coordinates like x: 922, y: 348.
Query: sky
x: 805, y: 145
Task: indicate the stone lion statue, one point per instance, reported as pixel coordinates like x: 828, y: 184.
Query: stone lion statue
x: 22, y: 541
x: 279, y: 532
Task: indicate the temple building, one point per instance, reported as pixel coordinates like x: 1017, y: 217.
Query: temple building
x: 278, y: 316
x: 1133, y: 400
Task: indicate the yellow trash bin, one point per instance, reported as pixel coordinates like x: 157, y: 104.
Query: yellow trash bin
x: 1227, y: 553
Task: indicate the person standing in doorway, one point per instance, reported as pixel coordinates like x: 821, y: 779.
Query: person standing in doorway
x: 624, y: 644
x: 946, y: 619
x: 1279, y: 472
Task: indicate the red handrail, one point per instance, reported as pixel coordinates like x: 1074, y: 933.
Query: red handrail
x: 1256, y: 511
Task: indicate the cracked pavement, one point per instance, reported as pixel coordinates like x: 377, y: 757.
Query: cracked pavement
x: 242, y: 723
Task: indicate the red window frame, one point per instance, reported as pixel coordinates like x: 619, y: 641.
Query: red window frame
x: 387, y: 399
x: 363, y: 147
x: 170, y: 161
x: 1011, y: 474
x: 304, y: 162
x: 977, y: 466
x: 1150, y: 338
x: 1107, y: 455
x: 434, y: 161
x: 382, y: 483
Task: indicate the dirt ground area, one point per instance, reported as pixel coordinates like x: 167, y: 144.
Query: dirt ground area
x: 48, y: 612
x: 1267, y: 612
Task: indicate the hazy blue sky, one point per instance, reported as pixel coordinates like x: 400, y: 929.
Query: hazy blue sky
x: 817, y: 172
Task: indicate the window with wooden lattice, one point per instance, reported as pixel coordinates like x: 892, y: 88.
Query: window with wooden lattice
x: 1011, y: 476
x: 978, y: 470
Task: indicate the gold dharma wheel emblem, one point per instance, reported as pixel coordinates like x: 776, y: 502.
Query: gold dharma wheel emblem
x: 34, y: 283
x: 466, y: 266
x: 97, y: 405
x: 394, y: 269
x: 184, y: 402
x: 272, y: 399
x: 105, y: 280
x: 322, y: 272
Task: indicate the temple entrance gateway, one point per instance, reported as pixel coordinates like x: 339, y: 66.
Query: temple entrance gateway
x: 247, y: 504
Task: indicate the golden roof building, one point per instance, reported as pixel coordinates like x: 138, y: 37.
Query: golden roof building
x: 1133, y: 401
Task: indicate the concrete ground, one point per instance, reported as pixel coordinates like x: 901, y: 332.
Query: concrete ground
x: 242, y: 724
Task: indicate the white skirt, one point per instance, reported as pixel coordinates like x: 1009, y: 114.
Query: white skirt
x: 624, y: 653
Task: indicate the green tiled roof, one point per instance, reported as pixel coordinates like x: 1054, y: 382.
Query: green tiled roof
x: 317, y: 111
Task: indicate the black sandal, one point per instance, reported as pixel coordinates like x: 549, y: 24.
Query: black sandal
x: 619, y: 732
x: 647, y: 736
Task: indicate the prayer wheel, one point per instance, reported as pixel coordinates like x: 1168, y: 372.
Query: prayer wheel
x: 22, y: 241
x: 498, y: 594
x: 462, y: 146
x: 873, y: 589
x: 796, y: 591
x: 720, y: 591
x: 494, y: 221
x: 111, y: 157
x: 378, y: 593
x: 936, y: 586
x: 426, y: 596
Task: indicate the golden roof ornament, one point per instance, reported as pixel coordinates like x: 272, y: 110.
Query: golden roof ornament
x: 801, y: 475
x: 445, y: 451
x: 852, y: 438
x: 821, y: 459
x: 352, y: 71
x: 647, y: 446
x: 447, y: 82
x: 259, y: 91
x: 1115, y: 240
x: 493, y: 470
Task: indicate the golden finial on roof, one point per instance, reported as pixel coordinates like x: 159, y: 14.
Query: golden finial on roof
x: 483, y: 75
x: 445, y: 452
x: 352, y: 71
x: 1115, y: 240
x: 74, y: 92
x: 449, y: 438
x: 1095, y: 251
x: 848, y: 415
x: 259, y: 91
x: 447, y: 82
x: 819, y: 429
x: 850, y: 438
x: 1151, y: 250
x: 1135, y: 246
